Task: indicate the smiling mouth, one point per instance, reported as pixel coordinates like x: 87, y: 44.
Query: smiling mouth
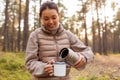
x: 51, y: 26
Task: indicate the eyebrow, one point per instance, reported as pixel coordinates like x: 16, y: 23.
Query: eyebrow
x: 52, y: 16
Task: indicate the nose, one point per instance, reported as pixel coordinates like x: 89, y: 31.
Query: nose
x: 50, y: 21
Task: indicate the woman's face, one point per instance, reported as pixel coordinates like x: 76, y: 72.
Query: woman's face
x: 50, y: 19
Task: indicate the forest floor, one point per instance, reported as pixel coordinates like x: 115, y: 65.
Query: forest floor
x: 101, y: 68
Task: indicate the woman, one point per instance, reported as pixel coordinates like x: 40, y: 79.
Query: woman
x: 45, y: 43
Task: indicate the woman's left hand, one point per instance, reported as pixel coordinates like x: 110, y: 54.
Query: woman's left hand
x: 81, y: 62
x: 49, y: 67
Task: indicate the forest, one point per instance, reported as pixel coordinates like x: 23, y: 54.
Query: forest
x: 95, y: 22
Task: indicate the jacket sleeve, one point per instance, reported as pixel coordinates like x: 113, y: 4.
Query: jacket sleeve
x: 78, y: 46
x: 32, y: 63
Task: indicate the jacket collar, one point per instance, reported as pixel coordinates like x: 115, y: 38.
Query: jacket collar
x: 54, y: 32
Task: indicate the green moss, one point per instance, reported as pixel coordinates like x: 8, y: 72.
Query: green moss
x: 12, y: 67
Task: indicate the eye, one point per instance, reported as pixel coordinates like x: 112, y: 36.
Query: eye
x: 54, y: 17
x: 46, y: 18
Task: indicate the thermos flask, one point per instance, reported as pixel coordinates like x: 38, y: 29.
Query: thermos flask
x: 69, y: 56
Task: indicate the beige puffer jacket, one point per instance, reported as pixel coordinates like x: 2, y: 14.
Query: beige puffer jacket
x: 43, y: 46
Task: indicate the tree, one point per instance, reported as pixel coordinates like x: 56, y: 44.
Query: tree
x: 82, y: 17
x: 26, y: 26
x: 97, y: 2
x: 19, y: 29
x: 39, y: 14
x: 84, y: 11
x: 104, y: 31
x: 5, y: 40
x: 93, y: 27
x: 62, y: 9
x: 117, y: 33
x: 12, y: 38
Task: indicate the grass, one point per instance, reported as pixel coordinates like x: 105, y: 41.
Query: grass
x: 102, y: 68
x: 12, y: 67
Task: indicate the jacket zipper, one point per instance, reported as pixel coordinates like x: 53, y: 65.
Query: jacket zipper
x: 56, y: 47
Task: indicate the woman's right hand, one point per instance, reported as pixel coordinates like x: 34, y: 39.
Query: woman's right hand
x: 49, y: 68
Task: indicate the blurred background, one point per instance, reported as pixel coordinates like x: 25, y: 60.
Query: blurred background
x: 95, y: 22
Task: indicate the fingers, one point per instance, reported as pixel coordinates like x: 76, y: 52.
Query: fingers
x: 49, y: 69
x: 51, y: 61
x: 81, y: 62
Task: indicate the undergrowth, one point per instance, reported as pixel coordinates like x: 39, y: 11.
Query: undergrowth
x: 12, y: 67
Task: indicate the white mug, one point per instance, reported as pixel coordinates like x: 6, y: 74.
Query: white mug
x: 59, y: 69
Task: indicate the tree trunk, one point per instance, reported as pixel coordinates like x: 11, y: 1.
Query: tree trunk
x: 99, y: 29
x: 19, y: 29
x: 12, y: 41
x: 105, y: 34
x: 84, y: 22
x: 26, y: 27
x: 5, y: 40
x: 39, y: 15
x: 93, y: 28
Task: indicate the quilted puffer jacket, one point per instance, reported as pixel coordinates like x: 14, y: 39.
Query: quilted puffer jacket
x: 43, y: 46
